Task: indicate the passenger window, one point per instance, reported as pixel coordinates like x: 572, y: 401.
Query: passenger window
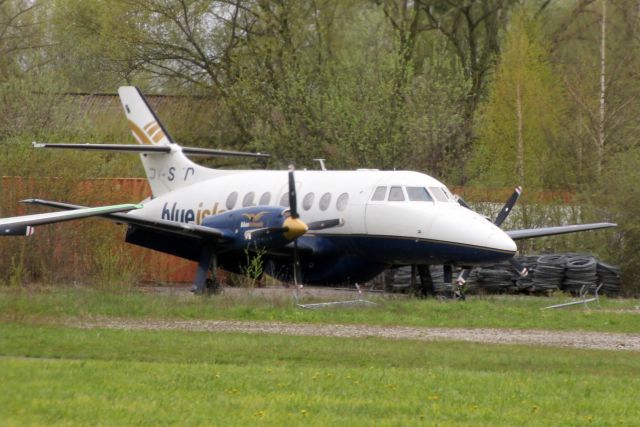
x: 231, y: 200
x: 396, y: 194
x: 284, y: 200
x: 307, y: 202
x: 248, y: 199
x: 342, y: 201
x: 265, y: 199
x: 325, y: 201
x: 438, y: 193
x: 418, y: 194
x: 378, y: 195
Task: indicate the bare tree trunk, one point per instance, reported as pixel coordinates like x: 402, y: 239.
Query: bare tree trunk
x: 601, y: 123
x: 520, y: 148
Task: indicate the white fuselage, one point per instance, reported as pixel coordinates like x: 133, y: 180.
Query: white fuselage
x: 340, y: 194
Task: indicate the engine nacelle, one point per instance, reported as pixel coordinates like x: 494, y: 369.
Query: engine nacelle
x: 24, y: 230
x: 241, y: 226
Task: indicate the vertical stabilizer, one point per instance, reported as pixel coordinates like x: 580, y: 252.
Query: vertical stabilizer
x: 165, y: 172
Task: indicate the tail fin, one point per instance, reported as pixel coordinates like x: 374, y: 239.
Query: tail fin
x: 165, y: 172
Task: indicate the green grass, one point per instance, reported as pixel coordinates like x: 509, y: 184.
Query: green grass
x: 60, y: 375
x: 500, y: 312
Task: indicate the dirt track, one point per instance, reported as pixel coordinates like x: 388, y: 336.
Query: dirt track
x: 574, y: 339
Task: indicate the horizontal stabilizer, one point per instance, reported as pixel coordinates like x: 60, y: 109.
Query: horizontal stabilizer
x: 531, y: 233
x: 131, y: 148
x: 22, y: 222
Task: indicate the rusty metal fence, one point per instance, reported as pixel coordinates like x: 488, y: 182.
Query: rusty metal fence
x: 72, y: 251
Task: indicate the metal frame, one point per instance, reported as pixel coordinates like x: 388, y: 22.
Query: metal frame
x: 348, y: 303
x: 584, y: 291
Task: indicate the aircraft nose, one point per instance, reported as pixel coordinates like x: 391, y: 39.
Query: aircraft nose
x: 499, y: 240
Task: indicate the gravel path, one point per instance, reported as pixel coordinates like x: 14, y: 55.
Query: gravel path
x: 574, y: 339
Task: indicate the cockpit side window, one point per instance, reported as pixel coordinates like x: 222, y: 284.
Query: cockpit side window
x: 396, y: 194
x: 378, y: 195
x: 448, y: 193
x: 438, y: 193
x: 418, y: 194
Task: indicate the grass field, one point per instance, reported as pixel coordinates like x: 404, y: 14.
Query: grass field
x: 614, y: 315
x: 63, y: 375
x: 58, y: 375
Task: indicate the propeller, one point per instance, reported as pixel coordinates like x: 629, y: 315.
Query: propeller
x: 294, y: 227
x: 462, y: 203
x: 502, y: 215
x: 506, y: 209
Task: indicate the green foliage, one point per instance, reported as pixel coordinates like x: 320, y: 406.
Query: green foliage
x: 620, y: 200
x: 520, y: 124
x: 254, y: 268
x: 23, y: 37
x: 17, y: 271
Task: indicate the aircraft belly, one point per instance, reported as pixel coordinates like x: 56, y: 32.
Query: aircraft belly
x: 339, y: 270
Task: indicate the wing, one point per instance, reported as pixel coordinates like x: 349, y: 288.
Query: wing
x: 170, y: 227
x: 24, y: 222
x: 531, y: 233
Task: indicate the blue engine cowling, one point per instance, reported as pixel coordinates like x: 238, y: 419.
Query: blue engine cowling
x: 238, y: 224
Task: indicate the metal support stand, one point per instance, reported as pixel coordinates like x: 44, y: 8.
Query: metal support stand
x: 584, y: 291
x: 349, y: 303
x: 458, y: 290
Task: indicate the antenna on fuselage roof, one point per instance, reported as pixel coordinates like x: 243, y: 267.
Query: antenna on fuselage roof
x: 322, y: 166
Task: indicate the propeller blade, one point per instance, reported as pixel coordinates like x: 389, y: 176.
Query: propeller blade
x: 462, y: 203
x: 293, y: 199
x: 521, y: 269
x: 296, y: 265
x: 504, y: 213
x: 327, y: 223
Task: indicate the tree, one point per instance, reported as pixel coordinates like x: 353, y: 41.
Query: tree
x: 520, y: 124
x: 599, y: 53
x: 21, y: 37
x: 472, y: 28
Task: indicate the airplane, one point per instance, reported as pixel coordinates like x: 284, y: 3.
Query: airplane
x: 350, y: 226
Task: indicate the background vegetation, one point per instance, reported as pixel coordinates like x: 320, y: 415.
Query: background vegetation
x: 480, y: 93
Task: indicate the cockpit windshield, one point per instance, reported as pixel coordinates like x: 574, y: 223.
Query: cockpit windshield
x: 418, y: 194
x: 399, y: 193
x: 439, y: 194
